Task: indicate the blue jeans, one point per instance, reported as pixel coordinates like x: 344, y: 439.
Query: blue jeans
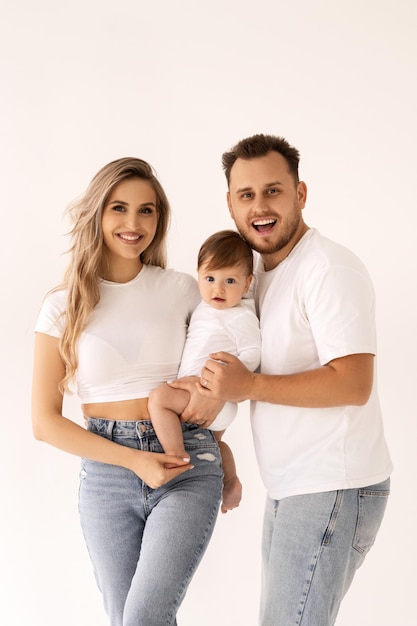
x: 312, y: 545
x: 145, y: 544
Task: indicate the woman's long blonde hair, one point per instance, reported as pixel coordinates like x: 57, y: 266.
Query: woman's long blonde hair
x: 82, y: 278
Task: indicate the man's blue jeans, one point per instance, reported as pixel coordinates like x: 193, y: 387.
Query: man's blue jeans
x: 146, y: 544
x: 312, y: 545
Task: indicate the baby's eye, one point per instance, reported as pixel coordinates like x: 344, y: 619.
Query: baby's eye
x: 209, y: 279
x: 230, y: 281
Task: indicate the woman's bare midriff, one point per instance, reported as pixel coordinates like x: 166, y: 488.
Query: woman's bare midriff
x: 125, y: 410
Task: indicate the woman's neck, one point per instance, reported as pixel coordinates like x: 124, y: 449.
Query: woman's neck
x: 121, y: 271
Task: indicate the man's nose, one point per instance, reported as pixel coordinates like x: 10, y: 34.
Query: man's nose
x: 260, y: 204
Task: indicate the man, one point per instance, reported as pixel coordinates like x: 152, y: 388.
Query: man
x: 316, y: 419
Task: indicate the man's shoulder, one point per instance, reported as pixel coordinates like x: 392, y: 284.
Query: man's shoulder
x: 328, y: 252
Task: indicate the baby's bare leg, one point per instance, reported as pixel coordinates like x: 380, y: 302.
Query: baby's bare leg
x: 232, y: 487
x: 165, y: 404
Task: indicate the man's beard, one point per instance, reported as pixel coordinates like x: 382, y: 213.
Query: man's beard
x: 271, y: 247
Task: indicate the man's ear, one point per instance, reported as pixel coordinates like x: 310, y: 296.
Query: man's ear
x: 229, y: 204
x: 302, y: 194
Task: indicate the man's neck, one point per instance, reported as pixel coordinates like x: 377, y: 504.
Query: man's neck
x: 271, y: 261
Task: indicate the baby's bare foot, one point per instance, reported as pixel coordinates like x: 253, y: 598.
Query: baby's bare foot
x: 232, y: 494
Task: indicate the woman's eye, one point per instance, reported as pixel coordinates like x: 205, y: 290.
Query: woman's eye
x: 118, y: 208
x: 146, y: 210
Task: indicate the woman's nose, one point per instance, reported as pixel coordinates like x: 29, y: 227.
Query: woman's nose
x: 132, y: 220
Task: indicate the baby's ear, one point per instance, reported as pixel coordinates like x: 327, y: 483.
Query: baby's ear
x: 248, y: 282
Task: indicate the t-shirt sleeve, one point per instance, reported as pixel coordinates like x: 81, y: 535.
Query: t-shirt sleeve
x: 340, y: 306
x: 191, y: 292
x: 51, y: 316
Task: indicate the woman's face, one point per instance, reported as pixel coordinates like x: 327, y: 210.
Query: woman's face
x: 129, y: 223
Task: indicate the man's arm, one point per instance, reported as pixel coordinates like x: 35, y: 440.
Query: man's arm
x: 344, y: 381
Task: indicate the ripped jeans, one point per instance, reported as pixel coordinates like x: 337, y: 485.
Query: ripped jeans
x: 145, y: 544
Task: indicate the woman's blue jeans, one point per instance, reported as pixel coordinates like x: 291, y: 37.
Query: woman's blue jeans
x: 312, y: 546
x: 145, y: 544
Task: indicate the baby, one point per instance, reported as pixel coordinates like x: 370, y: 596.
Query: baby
x: 223, y: 321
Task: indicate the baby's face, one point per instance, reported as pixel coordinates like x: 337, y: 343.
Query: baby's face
x: 223, y: 288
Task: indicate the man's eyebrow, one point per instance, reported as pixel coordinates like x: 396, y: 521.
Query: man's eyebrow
x: 275, y: 183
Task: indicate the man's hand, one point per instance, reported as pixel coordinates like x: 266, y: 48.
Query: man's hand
x: 199, y: 410
x: 226, y: 378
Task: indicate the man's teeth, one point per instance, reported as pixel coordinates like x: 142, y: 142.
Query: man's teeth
x: 263, y: 222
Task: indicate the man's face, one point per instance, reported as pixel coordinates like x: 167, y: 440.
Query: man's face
x: 265, y: 203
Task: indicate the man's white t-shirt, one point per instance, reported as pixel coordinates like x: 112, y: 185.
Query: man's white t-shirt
x: 316, y: 305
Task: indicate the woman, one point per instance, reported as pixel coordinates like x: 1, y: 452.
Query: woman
x: 116, y: 327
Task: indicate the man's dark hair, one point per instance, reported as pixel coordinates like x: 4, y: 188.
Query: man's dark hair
x: 258, y: 146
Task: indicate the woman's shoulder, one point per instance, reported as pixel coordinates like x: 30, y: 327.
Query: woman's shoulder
x: 55, y: 299
x: 171, y: 276
x: 50, y: 318
x: 180, y: 288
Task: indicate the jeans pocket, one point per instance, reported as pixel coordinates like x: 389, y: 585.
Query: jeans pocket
x: 372, y: 503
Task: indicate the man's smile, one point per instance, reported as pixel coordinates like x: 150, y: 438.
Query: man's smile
x: 264, y: 225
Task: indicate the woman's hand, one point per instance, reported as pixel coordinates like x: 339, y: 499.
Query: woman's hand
x: 51, y: 426
x: 199, y: 410
x: 151, y: 467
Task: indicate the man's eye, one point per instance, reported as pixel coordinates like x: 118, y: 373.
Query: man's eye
x: 272, y: 191
x: 247, y: 195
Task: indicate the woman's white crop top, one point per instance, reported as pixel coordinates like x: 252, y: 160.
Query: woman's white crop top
x: 134, y: 337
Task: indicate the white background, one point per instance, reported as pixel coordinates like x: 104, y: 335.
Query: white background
x: 177, y: 83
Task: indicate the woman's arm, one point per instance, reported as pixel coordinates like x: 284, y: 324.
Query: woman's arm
x: 51, y: 426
